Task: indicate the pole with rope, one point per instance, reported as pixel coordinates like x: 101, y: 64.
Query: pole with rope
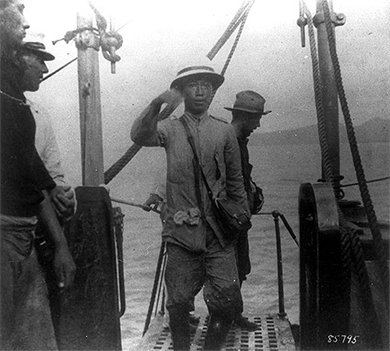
x: 89, y: 312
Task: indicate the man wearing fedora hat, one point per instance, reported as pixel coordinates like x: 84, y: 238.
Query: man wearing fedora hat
x: 198, y: 253
x: 247, y: 111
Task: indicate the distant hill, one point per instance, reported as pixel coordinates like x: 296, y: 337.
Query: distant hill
x: 374, y: 130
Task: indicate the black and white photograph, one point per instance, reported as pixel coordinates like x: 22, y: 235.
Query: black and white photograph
x: 194, y: 175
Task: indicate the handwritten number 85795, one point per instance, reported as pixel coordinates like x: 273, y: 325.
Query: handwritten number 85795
x: 344, y: 339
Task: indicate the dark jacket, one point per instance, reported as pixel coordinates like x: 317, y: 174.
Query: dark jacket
x: 23, y: 174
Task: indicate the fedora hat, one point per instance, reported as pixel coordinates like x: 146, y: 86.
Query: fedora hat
x: 249, y: 101
x: 38, y: 49
x: 188, y: 73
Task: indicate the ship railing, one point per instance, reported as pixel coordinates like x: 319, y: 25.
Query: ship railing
x: 276, y: 215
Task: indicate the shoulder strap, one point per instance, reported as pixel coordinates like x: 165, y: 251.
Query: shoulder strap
x: 221, y: 119
x: 190, y: 139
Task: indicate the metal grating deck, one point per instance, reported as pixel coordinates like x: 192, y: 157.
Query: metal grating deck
x: 274, y: 334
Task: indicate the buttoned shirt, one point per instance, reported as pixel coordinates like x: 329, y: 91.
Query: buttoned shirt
x: 219, y: 157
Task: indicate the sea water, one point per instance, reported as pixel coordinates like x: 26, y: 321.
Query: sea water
x: 279, y: 171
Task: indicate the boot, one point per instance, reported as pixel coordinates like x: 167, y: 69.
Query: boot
x: 243, y: 323
x: 217, y: 330
x: 180, y: 330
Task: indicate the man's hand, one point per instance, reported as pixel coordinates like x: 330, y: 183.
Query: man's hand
x: 173, y: 98
x: 64, y: 200
x: 153, y: 199
x: 64, y: 267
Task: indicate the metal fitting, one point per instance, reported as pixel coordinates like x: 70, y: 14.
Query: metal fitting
x: 338, y: 19
x: 87, y: 39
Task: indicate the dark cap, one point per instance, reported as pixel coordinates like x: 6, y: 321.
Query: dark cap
x: 38, y: 49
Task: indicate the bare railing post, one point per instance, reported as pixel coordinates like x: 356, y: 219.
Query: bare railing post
x: 282, y: 312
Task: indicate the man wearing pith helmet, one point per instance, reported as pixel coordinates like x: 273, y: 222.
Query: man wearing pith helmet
x: 247, y: 111
x: 198, y: 253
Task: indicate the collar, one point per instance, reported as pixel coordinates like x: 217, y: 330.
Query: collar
x: 196, y: 118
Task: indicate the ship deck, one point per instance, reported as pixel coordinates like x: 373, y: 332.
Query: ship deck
x: 273, y: 334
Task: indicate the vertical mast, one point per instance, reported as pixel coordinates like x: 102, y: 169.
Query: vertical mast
x: 329, y: 94
x: 89, y: 101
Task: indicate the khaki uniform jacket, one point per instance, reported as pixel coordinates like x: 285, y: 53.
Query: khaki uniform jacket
x: 219, y: 155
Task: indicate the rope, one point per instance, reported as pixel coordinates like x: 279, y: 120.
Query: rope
x: 57, y: 70
x: 230, y: 29
x: 324, y: 146
x: 144, y: 207
x: 364, y: 291
x: 111, y: 173
x: 368, y: 206
x: 121, y: 163
x: 233, y: 49
x: 368, y: 181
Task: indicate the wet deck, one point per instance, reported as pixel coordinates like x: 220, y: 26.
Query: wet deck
x: 274, y: 334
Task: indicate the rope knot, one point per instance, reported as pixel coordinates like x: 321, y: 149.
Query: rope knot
x: 110, y: 42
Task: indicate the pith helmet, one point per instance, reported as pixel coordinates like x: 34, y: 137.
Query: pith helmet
x: 249, y: 101
x: 188, y: 73
x: 38, y: 49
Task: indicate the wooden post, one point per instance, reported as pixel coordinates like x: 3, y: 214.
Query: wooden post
x: 89, y: 101
x: 87, y: 316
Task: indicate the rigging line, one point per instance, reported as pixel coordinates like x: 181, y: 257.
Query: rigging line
x: 230, y: 29
x: 57, y: 70
x: 124, y: 25
x: 244, y: 17
x: 144, y: 207
x: 367, y: 181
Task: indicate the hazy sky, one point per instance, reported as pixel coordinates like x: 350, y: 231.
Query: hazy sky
x: 163, y: 36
